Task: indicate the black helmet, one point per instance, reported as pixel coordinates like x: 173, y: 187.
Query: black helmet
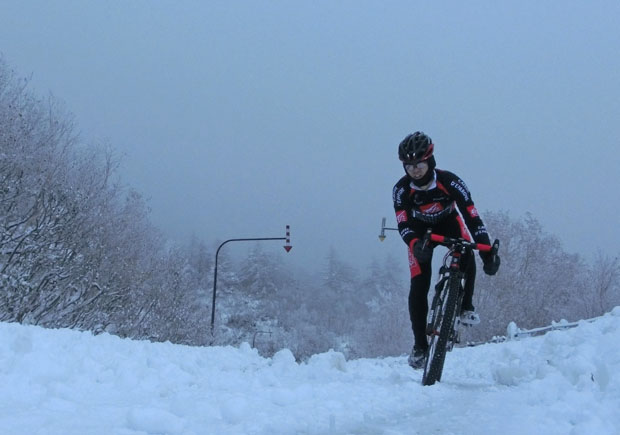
x: 415, y: 148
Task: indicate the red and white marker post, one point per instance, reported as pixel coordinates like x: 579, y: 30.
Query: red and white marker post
x: 287, y: 245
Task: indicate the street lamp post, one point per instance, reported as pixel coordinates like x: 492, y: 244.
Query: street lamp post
x: 383, y: 228
x: 287, y: 247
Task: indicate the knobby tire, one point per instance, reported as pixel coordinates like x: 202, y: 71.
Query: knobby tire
x: 437, y: 348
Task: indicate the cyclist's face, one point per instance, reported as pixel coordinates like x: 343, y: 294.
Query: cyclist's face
x: 417, y: 170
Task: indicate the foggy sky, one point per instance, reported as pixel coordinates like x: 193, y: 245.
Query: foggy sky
x: 237, y: 118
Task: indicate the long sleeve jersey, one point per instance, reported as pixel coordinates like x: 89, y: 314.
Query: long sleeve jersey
x: 417, y: 209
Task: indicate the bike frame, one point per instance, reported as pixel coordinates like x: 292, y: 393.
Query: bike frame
x: 443, y: 318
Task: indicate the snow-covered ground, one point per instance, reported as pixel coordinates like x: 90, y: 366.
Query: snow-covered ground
x: 68, y: 382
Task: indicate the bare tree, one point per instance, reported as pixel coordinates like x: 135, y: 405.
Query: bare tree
x: 538, y: 280
x: 605, y: 283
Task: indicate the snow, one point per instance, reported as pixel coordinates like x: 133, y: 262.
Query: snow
x: 70, y: 382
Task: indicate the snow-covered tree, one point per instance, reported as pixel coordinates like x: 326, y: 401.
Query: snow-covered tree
x: 604, y: 281
x: 386, y: 330
x: 538, y: 280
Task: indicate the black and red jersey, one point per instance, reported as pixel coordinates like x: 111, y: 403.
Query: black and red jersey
x: 417, y: 209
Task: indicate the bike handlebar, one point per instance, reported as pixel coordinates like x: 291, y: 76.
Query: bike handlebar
x: 449, y: 241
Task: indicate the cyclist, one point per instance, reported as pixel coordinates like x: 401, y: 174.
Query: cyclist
x: 427, y: 197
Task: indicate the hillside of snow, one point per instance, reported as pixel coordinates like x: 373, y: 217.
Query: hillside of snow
x: 69, y: 382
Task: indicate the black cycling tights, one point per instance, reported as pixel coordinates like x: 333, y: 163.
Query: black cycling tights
x: 418, y: 298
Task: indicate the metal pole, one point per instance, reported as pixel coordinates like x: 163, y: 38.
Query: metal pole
x: 215, y: 272
x: 383, y: 228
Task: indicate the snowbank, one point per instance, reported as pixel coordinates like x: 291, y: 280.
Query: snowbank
x: 69, y: 382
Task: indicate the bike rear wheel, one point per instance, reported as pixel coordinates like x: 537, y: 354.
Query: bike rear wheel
x: 440, y: 333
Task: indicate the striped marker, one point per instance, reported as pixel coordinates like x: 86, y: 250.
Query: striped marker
x: 288, y: 246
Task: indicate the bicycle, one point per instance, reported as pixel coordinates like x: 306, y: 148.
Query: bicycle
x: 443, y: 325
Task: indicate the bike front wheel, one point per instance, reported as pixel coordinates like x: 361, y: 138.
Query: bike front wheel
x: 440, y: 332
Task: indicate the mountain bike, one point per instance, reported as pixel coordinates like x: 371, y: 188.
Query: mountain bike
x: 444, y: 326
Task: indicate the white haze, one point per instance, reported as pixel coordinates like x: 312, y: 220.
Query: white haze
x: 237, y: 119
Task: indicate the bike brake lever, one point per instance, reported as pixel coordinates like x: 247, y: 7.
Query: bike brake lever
x: 427, y: 238
x: 495, y: 247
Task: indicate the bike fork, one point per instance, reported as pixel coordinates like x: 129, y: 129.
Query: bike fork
x: 458, y: 326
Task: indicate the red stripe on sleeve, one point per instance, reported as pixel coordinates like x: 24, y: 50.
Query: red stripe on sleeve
x: 472, y: 211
